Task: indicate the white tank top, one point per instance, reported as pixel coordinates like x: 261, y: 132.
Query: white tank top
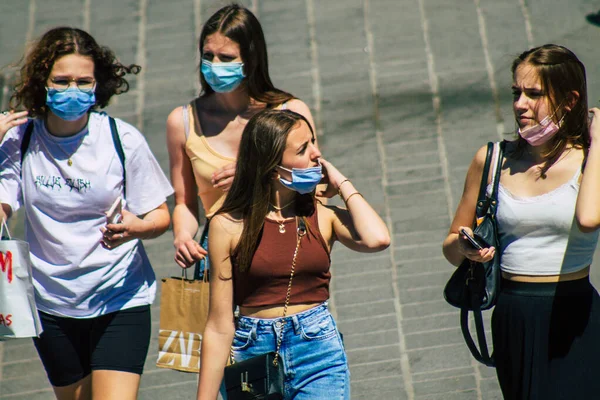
x: 539, y: 235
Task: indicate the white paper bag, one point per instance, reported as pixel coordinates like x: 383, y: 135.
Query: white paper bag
x: 18, y: 314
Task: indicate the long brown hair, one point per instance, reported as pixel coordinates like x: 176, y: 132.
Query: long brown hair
x: 560, y: 73
x: 241, y: 26
x: 30, y: 90
x: 261, y: 150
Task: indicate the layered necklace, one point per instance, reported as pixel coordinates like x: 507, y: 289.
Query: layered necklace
x: 282, y: 222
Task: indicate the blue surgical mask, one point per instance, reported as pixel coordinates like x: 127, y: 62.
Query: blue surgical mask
x: 223, y: 77
x: 70, y: 104
x: 304, y: 180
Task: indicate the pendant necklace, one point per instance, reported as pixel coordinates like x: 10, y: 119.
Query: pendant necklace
x: 69, y: 160
x: 281, y: 227
x: 281, y: 224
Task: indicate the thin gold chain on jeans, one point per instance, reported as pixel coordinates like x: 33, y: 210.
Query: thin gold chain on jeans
x: 301, y: 232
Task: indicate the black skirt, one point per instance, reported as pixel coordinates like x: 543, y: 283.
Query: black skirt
x: 547, y: 340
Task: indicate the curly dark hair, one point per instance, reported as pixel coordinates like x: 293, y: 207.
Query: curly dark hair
x: 30, y: 89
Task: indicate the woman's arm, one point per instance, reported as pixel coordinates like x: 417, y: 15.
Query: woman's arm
x: 587, y: 211
x: 185, y: 213
x: 358, y: 227
x: 148, y: 226
x: 218, y: 334
x: 456, y: 248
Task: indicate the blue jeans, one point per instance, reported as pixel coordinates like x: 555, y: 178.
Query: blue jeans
x: 202, y: 265
x: 312, y: 352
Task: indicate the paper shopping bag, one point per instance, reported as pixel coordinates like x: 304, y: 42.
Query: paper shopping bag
x: 18, y: 314
x: 183, y: 315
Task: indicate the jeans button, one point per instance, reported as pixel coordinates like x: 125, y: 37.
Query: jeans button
x: 278, y: 324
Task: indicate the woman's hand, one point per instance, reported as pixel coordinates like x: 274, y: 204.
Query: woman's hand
x: 466, y: 249
x: 131, y: 227
x: 188, y: 251
x: 332, y: 178
x: 11, y: 119
x: 595, y: 125
x: 223, y: 177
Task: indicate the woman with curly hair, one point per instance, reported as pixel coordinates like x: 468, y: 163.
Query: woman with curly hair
x: 67, y: 166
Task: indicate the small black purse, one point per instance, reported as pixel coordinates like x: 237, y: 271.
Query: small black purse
x: 261, y: 377
x: 475, y: 286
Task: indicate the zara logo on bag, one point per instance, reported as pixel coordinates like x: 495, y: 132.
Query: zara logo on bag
x: 180, y: 348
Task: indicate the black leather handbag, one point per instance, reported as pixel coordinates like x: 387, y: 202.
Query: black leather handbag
x: 475, y: 286
x: 261, y: 377
x: 256, y: 378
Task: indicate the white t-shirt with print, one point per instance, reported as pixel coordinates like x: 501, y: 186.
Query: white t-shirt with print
x: 74, y: 276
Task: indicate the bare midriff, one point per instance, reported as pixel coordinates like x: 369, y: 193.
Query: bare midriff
x: 572, y: 276
x: 270, y: 312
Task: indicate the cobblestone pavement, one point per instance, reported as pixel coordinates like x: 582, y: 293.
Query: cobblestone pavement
x: 403, y: 92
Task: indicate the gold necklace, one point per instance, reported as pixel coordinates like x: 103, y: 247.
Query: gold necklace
x: 281, y: 224
x: 282, y: 207
x: 59, y: 146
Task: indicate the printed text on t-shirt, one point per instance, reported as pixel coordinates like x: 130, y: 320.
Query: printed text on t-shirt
x: 57, y: 183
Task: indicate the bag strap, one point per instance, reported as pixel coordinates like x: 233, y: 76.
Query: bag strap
x: 483, y: 356
x: 301, y: 232
x: 496, y: 179
x: 484, y: 176
x: 4, y: 226
x: 119, y: 148
x: 25, y: 142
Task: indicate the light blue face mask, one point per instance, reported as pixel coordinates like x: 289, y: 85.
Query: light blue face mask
x: 70, y: 104
x: 223, y: 77
x: 304, y: 180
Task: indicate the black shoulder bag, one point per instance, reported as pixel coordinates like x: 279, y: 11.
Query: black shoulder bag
x: 261, y: 377
x: 475, y: 286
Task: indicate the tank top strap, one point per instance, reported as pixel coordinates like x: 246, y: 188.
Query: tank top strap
x: 284, y: 106
x: 575, y: 178
x: 186, y: 120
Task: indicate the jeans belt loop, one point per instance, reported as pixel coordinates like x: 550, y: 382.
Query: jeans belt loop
x: 297, y: 324
x: 254, y: 330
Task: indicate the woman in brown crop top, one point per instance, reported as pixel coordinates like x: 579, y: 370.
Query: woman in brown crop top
x: 202, y: 161
x: 252, y: 239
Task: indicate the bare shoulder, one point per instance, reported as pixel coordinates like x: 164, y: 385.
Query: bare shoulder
x: 226, y: 224
x: 298, y: 106
x: 175, y: 128
x: 329, y: 212
x: 480, y: 155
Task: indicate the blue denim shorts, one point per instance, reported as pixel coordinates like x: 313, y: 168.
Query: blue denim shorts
x: 312, y: 352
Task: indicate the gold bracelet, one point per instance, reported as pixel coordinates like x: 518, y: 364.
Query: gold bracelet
x: 339, y: 188
x: 346, y: 201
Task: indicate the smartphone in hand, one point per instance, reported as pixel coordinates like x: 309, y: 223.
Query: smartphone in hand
x: 471, y: 239
x: 114, y: 214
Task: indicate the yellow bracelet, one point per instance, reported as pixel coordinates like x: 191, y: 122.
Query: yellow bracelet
x: 347, y: 199
x: 339, y: 189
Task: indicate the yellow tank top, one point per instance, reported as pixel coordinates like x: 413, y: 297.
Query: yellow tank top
x: 205, y: 161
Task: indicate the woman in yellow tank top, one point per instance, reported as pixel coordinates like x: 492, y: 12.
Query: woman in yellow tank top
x: 203, y: 137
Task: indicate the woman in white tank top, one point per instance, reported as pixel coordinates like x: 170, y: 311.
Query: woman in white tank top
x: 545, y: 324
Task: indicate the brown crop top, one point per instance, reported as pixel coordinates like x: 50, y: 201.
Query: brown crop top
x: 265, y: 282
